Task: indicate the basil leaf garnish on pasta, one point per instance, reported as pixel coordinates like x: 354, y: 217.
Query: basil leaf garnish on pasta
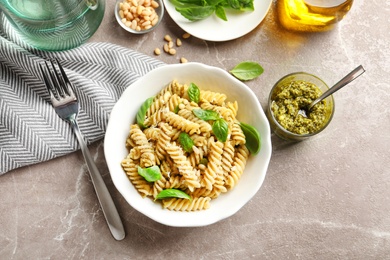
x: 220, y: 129
x: 186, y: 142
x: 194, y: 93
x: 176, y: 109
x: 252, y: 136
x: 205, y: 114
x: 151, y: 174
x: 142, y: 111
x: 172, y: 193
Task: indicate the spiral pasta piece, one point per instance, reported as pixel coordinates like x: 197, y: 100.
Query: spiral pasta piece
x: 152, y: 133
x: 213, y: 97
x: 204, y: 126
x: 227, y: 157
x: 182, y: 123
x: 163, y: 140
x: 237, y: 135
x: 213, y: 165
x: 174, y: 87
x: 238, y: 166
x: 194, y: 204
x: 131, y: 169
x: 183, y: 165
x: 158, y: 103
x: 147, y: 153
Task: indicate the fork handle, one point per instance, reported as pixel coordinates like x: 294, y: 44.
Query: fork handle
x: 110, y: 212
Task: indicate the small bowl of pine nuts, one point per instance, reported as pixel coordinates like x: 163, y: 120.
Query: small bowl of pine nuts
x: 139, y: 16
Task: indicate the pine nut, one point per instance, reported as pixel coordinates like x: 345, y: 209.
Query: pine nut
x: 157, y: 51
x: 178, y: 42
x: 154, y: 4
x: 186, y: 35
x: 183, y: 60
x: 166, y: 48
x: 170, y: 44
x: 167, y: 38
x: 172, y: 51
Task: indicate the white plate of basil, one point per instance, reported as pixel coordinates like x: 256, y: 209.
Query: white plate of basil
x: 222, y: 21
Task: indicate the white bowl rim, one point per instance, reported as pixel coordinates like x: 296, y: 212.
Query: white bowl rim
x: 146, y: 206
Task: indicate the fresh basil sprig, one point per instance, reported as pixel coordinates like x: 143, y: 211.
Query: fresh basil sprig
x: 195, y: 10
x: 219, y: 127
x: 205, y: 114
x: 172, y: 193
x: 252, y: 136
x: 186, y: 142
x: 247, y: 70
x: 194, y: 93
x: 151, y: 174
x: 142, y: 111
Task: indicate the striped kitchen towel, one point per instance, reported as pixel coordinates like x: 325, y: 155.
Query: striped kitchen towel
x: 30, y: 130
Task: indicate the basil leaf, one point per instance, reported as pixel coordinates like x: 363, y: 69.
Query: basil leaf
x: 186, y: 142
x: 253, y: 139
x: 241, y: 5
x: 194, y: 93
x: 173, y: 193
x: 220, y: 12
x: 247, y: 70
x: 196, y: 13
x: 142, y: 111
x: 220, y: 129
x: 151, y: 174
x: 205, y: 114
x: 176, y: 109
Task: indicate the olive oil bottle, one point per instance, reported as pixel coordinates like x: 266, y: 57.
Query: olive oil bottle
x: 312, y: 15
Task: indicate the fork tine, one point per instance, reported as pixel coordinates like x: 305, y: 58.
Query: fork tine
x: 47, y: 80
x: 67, y: 85
x: 56, y: 79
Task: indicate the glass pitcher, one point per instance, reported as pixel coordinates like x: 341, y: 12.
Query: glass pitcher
x: 54, y: 25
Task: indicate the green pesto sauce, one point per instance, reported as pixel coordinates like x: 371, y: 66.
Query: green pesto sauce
x: 295, y: 96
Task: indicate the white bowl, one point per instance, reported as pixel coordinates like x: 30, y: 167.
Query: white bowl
x: 159, y: 11
x: 208, y: 78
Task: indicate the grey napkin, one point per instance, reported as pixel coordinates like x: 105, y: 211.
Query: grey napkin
x: 30, y: 130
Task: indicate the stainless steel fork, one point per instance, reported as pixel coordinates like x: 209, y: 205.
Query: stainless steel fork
x: 66, y: 105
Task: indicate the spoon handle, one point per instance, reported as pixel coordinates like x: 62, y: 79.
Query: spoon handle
x: 344, y: 81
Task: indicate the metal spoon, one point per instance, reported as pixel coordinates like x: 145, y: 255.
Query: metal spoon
x: 344, y: 81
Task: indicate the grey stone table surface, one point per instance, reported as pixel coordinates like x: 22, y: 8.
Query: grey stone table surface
x: 325, y: 198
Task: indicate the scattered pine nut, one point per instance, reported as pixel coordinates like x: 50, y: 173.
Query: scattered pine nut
x: 178, y: 42
x: 166, y: 48
x: 183, y: 60
x: 186, y: 35
x: 167, y: 38
x: 157, y: 51
x: 172, y: 51
x: 170, y: 44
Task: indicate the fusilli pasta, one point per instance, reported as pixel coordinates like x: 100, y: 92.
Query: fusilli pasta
x: 211, y: 167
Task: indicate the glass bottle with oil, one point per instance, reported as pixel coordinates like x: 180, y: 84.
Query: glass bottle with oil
x: 312, y: 15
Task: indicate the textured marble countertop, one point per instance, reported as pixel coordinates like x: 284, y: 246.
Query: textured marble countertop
x: 325, y: 198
